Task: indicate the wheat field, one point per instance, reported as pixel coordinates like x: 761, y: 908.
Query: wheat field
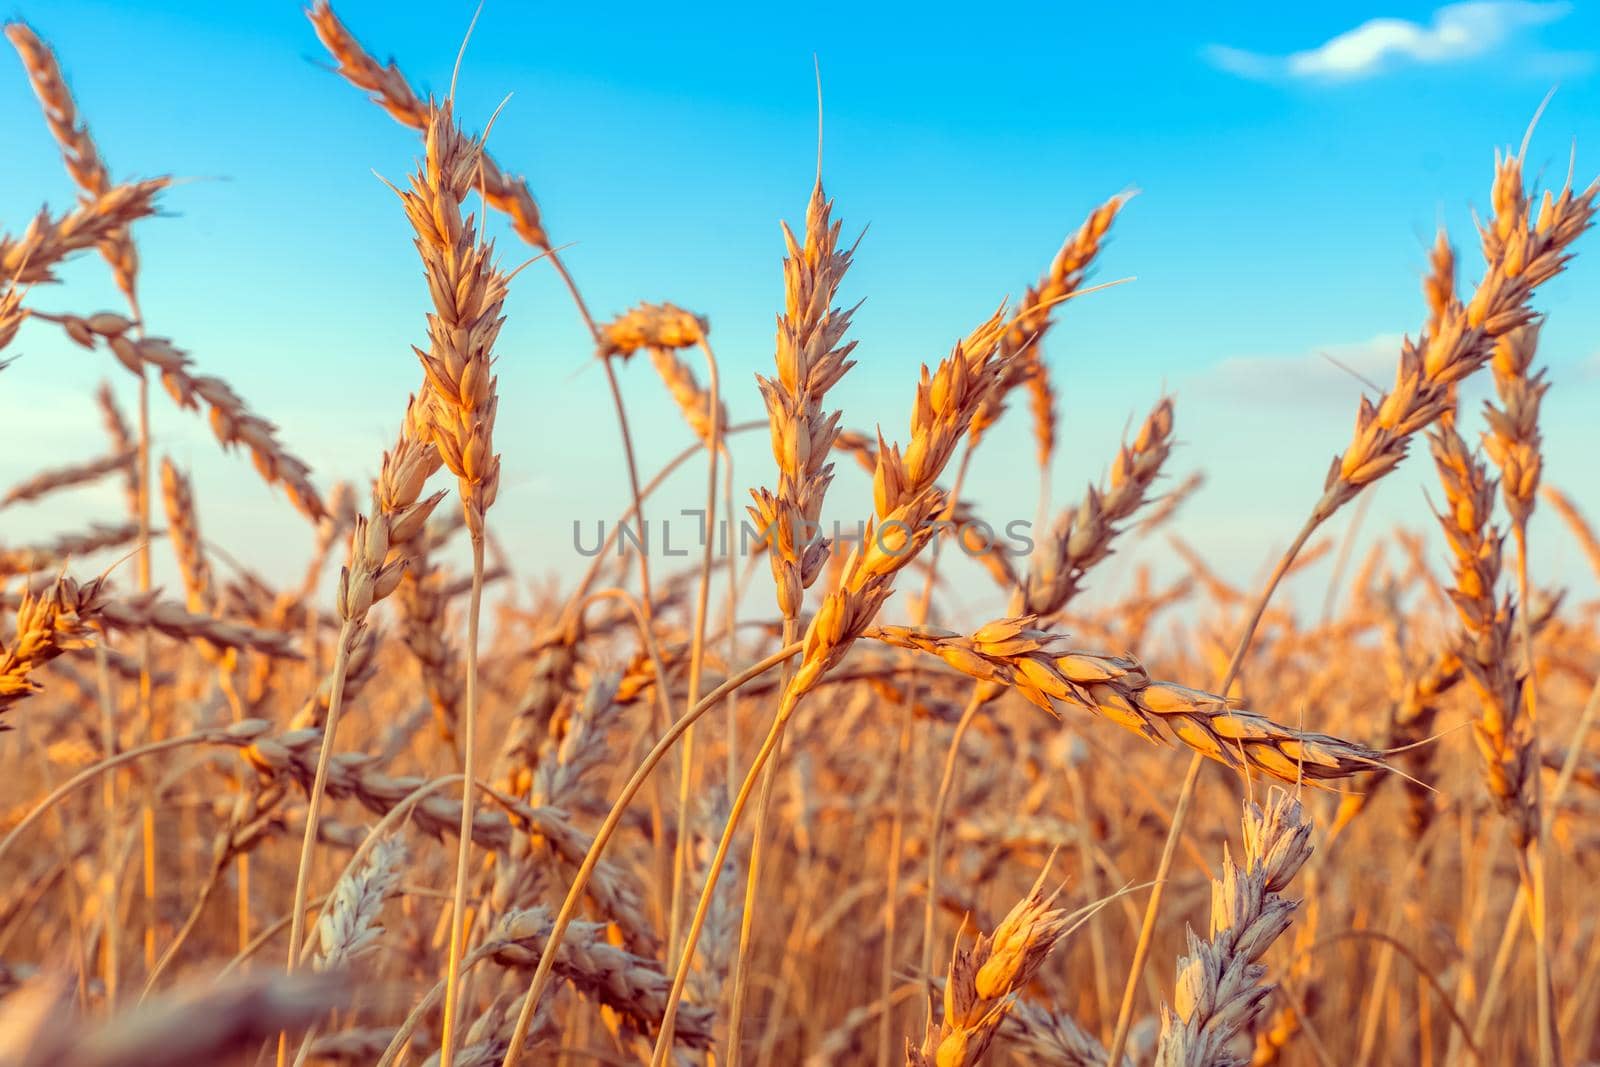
x: 784, y: 805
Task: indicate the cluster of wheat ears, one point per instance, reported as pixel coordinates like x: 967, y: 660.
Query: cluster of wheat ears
x: 249, y: 822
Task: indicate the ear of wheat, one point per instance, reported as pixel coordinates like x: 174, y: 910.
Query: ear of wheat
x: 1219, y: 986
x: 812, y: 355
x: 1522, y: 252
x: 1036, y: 663
x: 980, y: 989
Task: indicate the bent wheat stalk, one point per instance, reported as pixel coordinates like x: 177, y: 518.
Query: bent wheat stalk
x: 468, y: 293
x: 1457, y: 341
x: 609, y: 826
x: 377, y: 561
x: 811, y: 355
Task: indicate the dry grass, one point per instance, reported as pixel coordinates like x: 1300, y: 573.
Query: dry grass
x: 563, y: 871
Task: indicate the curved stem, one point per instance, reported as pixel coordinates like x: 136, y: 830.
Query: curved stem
x: 308, y: 843
x: 903, y: 773
x: 669, y: 1018
x: 1544, y: 993
x: 1400, y: 949
x: 569, y: 906
x: 189, y: 923
x: 941, y: 804
x: 319, y: 783
x: 572, y: 288
x: 93, y: 771
x: 731, y: 626
x: 1180, y: 814
x: 267, y: 933
x: 696, y: 652
x: 651, y: 486
x: 458, y: 912
x: 146, y: 707
x: 403, y: 1033
x: 752, y: 885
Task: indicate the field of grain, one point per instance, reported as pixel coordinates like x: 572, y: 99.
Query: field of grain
x: 785, y: 805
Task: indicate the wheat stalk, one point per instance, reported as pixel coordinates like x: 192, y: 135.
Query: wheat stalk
x: 810, y: 356
x: 1035, y: 313
x: 349, y: 929
x: 93, y: 603
x: 1011, y: 653
x: 1522, y: 253
x: 183, y: 530
x: 1219, y: 987
x: 1083, y: 535
x: 468, y: 293
x: 361, y: 668
x: 1486, y: 647
x: 78, y: 150
x: 231, y: 421
x: 624, y: 982
x: 906, y: 499
x: 378, y: 552
x: 1513, y: 443
x: 48, y: 624
x: 31, y: 258
x: 99, y: 537
x: 984, y: 980
x: 390, y: 91
x: 54, y: 479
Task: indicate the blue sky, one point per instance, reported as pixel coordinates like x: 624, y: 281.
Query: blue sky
x: 1292, y: 166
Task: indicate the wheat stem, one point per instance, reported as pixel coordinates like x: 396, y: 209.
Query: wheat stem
x: 696, y: 648
x: 458, y: 911
x: 569, y: 905
x: 1180, y: 813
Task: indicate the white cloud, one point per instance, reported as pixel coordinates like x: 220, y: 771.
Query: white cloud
x: 1329, y: 375
x: 1457, y: 32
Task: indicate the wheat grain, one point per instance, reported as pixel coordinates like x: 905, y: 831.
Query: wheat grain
x: 1486, y: 653
x: 811, y: 356
x: 983, y: 980
x: 31, y: 259
x: 1010, y: 652
x: 183, y: 530
x: 651, y: 326
x: 1219, y: 987
x: 1034, y: 316
x: 628, y: 984
x: 48, y: 624
x: 1512, y: 440
x: 349, y: 928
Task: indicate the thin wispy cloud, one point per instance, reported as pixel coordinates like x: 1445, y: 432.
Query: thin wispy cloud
x: 1457, y: 32
x: 1329, y: 376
